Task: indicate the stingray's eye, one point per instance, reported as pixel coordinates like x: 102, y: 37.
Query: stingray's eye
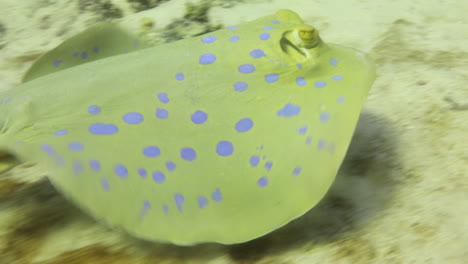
x: 299, y: 41
x: 308, y: 35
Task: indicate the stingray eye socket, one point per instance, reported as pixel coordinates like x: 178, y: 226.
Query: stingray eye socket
x: 305, y: 35
x: 297, y: 42
x: 309, y: 36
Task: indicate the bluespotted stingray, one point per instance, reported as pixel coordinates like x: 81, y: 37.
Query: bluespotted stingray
x: 220, y: 138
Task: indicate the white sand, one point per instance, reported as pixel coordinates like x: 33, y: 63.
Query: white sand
x: 401, y: 196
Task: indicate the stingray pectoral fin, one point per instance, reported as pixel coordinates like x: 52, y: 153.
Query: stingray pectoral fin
x: 100, y: 41
x: 219, y: 138
x: 288, y: 16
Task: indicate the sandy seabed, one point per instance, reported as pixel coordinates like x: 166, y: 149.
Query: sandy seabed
x: 400, y: 197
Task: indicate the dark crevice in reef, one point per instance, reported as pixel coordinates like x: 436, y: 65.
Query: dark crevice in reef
x: 141, y: 5
x: 103, y: 8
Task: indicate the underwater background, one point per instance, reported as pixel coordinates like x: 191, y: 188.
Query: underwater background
x: 400, y: 196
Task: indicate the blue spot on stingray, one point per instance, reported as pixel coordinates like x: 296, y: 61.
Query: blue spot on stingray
x: 48, y: 149
x: 133, y: 118
x: 121, y: 171
x: 216, y: 195
x: 308, y: 140
x: 199, y: 117
x: 333, y: 62
x: 94, y: 109
x: 207, y: 58
x: 337, y: 78
x: 262, y: 182
x: 244, y: 125
x: 95, y: 165
x: 77, y: 167
x: 301, y: 81
x: 61, y: 132
x: 232, y: 27
x: 321, y: 144
x: 151, y: 151
x: 268, y: 165
x: 179, y: 76
x: 165, y: 209
x: 324, y: 117
x: 57, y: 63
x: 272, y: 77
x: 95, y: 49
x: 103, y: 129
x: 289, y: 110
x: 142, y: 172
x: 254, y: 160
x: 75, y: 146
x: 162, y: 113
x: 302, y: 130
x: 340, y: 99
x: 202, y: 202
x: 299, y: 65
x: 268, y: 28
x: 224, y: 148
x: 179, y: 200
x: 84, y: 55
x: 265, y: 36
x: 297, y: 171
x: 320, y: 84
x: 105, y: 184
x: 234, y: 38
x: 275, y: 21
x: 75, y: 54
x: 257, y: 53
x: 146, y: 207
x: 240, y: 86
x: 209, y: 39
x: 246, y: 68
x: 163, y: 98
x: 188, y: 154
x: 159, y: 177
x: 170, y: 166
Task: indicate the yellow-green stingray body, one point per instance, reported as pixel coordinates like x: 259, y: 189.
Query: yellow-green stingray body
x: 218, y: 138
